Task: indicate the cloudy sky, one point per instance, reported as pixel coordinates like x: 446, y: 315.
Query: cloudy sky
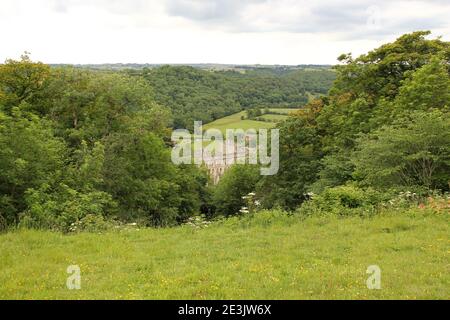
x: 214, y: 31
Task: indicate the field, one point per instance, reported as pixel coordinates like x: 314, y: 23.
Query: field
x: 266, y: 257
x: 282, y: 110
x: 275, y: 117
x: 234, y: 121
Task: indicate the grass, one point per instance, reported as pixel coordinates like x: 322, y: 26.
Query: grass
x: 275, y: 117
x: 268, y: 257
x: 234, y: 121
x: 283, y: 110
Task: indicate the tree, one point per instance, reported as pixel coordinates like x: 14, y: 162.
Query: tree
x: 89, y: 106
x: 194, y: 194
x: 371, y: 80
x: 426, y: 88
x: 21, y: 82
x: 300, y: 154
x: 237, y: 182
x: 414, y: 151
x: 140, y: 176
x: 78, y: 145
x: 30, y: 155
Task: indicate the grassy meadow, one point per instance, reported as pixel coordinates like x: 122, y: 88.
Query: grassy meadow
x: 283, y: 110
x: 234, y: 121
x: 275, y: 117
x: 270, y: 256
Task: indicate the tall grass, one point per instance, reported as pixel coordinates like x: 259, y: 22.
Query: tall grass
x: 271, y: 255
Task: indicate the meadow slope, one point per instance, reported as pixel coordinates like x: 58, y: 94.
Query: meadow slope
x: 268, y: 257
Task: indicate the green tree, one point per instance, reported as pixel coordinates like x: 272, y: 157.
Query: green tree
x: 426, y: 88
x: 300, y: 154
x: 70, y: 199
x: 195, y: 196
x: 141, y: 177
x: 414, y: 151
x: 30, y: 156
x: 89, y: 106
x: 21, y: 83
x: 373, y: 78
x: 237, y: 182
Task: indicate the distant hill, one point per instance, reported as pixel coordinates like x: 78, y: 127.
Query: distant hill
x: 195, y: 94
x: 203, y: 66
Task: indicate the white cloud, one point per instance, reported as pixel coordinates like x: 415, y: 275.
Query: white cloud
x: 223, y: 31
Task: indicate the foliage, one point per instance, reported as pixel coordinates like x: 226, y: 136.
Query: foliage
x: 384, y: 124
x: 300, y: 155
x: 21, y: 83
x: 237, y: 182
x: 79, y: 146
x: 30, y: 155
x: 437, y: 203
x: 90, y: 106
x: 342, y: 200
x: 194, y: 94
x: 426, y: 88
x: 64, y: 208
x: 197, y: 222
x: 415, y: 151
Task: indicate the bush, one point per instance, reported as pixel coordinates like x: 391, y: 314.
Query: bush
x: 432, y: 201
x: 3, y: 224
x: 237, y: 182
x: 263, y: 218
x: 91, y: 223
x: 437, y: 204
x: 60, y: 209
x: 30, y: 155
x: 197, y: 222
x: 342, y: 201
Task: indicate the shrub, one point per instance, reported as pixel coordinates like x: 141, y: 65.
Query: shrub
x: 59, y: 209
x: 342, y: 200
x: 237, y: 182
x: 91, y: 223
x: 3, y: 224
x: 197, y: 222
x: 437, y: 203
x: 263, y: 218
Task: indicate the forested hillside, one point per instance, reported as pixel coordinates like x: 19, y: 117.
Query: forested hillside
x: 193, y: 94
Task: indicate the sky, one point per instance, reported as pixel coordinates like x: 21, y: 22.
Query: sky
x: 284, y: 32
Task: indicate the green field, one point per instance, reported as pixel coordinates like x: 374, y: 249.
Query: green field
x: 267, y: 257
x: 275, y: 117
x: 283, y: 110
x: 234, y: 121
